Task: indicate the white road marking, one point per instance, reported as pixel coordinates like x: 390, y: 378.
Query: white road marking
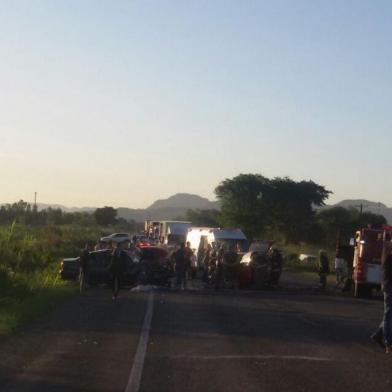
x: 138, y: 362
x: 253, y: 357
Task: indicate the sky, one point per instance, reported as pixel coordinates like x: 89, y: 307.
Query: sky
x: 123, y: 102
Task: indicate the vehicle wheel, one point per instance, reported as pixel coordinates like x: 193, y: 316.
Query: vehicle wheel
x: 362, y: 291
x: 260, y: 278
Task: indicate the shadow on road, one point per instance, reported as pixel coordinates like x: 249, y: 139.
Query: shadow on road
x: 268, y: 315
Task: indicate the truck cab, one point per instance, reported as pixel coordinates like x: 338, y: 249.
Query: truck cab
x: 368, y: 251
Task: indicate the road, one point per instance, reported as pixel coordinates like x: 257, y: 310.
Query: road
x: 279, y: 340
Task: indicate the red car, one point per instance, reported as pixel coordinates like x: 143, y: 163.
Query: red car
x: 261, y: 266
x: 155, y: 265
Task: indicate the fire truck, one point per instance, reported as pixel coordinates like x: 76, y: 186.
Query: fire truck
x: 368, y: 252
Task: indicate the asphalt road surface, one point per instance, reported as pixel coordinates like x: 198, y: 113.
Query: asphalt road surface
x: 200, y: 341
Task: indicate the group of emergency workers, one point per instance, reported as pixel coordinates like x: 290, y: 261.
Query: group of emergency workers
x: 217, y: 265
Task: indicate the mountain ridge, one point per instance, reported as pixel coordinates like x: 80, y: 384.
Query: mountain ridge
x: 366, y: 206
x: 176, y: 206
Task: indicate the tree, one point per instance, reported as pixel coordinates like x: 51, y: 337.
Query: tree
x: 244, y: 201
x: 208, y: 218
x: 293, y: 206
x: 105, y: 216
x: 257, y: 204
x: 345, y: 221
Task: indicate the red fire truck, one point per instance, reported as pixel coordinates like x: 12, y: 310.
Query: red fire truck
x: 368, y: 251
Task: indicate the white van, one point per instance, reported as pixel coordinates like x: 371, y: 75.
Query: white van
x: 200, y: 237
x: 173, y: 232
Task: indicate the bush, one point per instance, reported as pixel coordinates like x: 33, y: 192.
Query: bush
x: 29, y: 264
x: 29, y: 257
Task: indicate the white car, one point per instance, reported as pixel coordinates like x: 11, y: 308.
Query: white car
x: 307, y: 259
x: 116, y: 237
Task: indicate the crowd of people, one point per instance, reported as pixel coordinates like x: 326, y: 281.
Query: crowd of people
x: 216, y: 265
x: 343, y: 269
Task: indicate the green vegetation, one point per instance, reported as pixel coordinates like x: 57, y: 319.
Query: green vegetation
x: 26, y: 214
x: 29, y: 264
x: 260, y: 205
x: 33, y: 242
x: 287, y: 211
x: 207, y: 218
x: 17, y: 311
x: 291, y: 257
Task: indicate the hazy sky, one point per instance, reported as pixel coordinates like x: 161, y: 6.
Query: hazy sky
x: 123, y: 102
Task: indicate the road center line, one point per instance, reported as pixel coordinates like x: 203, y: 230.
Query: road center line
x: 135, y: 376
x: 253, y: 357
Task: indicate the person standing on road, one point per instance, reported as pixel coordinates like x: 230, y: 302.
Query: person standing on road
x: 383, y: 335
x: 339, y: 269
x: 323, y: 269
x: 231, y: 267
x: 188, y: 261
x: 84, y: 266
x: 180, y: 266
x: 219, y: 268
x: 116, y: 267
x: 206, y: 262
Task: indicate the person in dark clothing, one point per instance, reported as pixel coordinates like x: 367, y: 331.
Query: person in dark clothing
x: 276, y: 261
x: 188, y: 260
x: 323, y: 269
x: 180, y: 265
x: 231, y: 267
x: 347, y: 253
x: 116, y: 267
x: 212, y: 265
x: 84, y: 266
x: 383, y: 335
x: 219, y: 268
x: 206, y: 262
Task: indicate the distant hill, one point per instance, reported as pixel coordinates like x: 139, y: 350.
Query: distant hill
x: 367, y: 206
x: 176, y: 206
x: 185, y: 200
x: 164, y: 209
x: 173, y: 207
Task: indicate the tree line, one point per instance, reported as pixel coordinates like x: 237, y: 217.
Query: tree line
x: 27, y: 214
x: 278, y: 208
x: 282, y: 208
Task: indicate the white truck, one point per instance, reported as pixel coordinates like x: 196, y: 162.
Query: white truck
x: 173, y: 232
x: 168, y: 232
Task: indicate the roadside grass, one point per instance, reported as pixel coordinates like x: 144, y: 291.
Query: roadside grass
x: 17, y: 312
x: 291, y: 258
x: 29, y: 263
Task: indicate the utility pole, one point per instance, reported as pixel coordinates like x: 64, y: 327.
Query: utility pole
x: 361, y: 206
x: 35, y: 200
